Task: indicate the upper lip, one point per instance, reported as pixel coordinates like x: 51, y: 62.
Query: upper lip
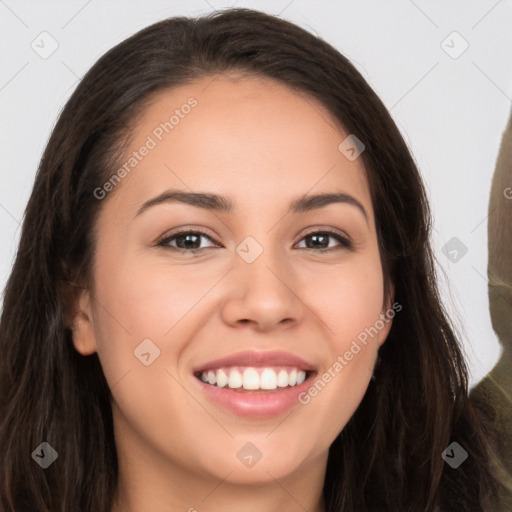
x: 253, y: 358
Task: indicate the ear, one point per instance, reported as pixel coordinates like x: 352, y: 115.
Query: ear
x: 387, y: 315
x: 84, y: 334
x: 79, y: 317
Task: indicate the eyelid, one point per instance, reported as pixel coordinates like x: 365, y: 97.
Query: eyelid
x: 184, y: 231
x: 329, y: 230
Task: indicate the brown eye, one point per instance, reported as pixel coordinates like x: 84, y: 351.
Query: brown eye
x: 186, y: 241
x: 320, y: 240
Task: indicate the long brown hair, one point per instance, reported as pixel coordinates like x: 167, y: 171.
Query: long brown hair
x: 388, y: 457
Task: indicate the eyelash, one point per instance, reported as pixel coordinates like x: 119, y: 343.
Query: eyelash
x: 345, y: 242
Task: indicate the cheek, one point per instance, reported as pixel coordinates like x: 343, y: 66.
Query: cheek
x: 348, y: 298
x: 133, y: 305
x: 148, y: 300
x: 138, y: 304
x: 142, y: 300
x: 354, y: 317
x: 349, y: 302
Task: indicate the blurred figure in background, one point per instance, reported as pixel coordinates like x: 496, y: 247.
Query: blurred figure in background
x: 493, y: 395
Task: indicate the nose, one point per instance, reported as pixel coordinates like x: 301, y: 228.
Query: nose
x: 262, y: 294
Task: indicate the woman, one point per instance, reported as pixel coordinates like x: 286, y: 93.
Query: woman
x: 262, y: 371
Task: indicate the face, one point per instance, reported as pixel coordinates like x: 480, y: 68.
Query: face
x: 270, y: 295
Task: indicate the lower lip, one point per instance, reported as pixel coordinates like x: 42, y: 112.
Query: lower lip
x: 256, y: 405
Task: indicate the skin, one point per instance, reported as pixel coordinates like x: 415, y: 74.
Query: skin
x: 260, y: 143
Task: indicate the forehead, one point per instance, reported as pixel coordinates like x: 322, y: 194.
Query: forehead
x: 251, y: 138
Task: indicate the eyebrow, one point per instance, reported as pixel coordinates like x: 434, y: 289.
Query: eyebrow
x: 223, y: 204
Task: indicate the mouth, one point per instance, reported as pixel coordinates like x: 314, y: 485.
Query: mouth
x: 255, y: 385
x: 254, y: 379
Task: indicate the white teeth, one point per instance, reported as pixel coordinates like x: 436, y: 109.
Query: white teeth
x: 282, y: 379
x: 254, y: 378
x: 251, y: 379
x: 222, y: 378
x: 235, y: 379
x: 268, y: 379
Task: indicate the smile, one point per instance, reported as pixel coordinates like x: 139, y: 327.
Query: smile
x: 252, y: 378
x: 255, y: 385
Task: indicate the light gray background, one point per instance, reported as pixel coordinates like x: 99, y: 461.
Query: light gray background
x: 452, y: 111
